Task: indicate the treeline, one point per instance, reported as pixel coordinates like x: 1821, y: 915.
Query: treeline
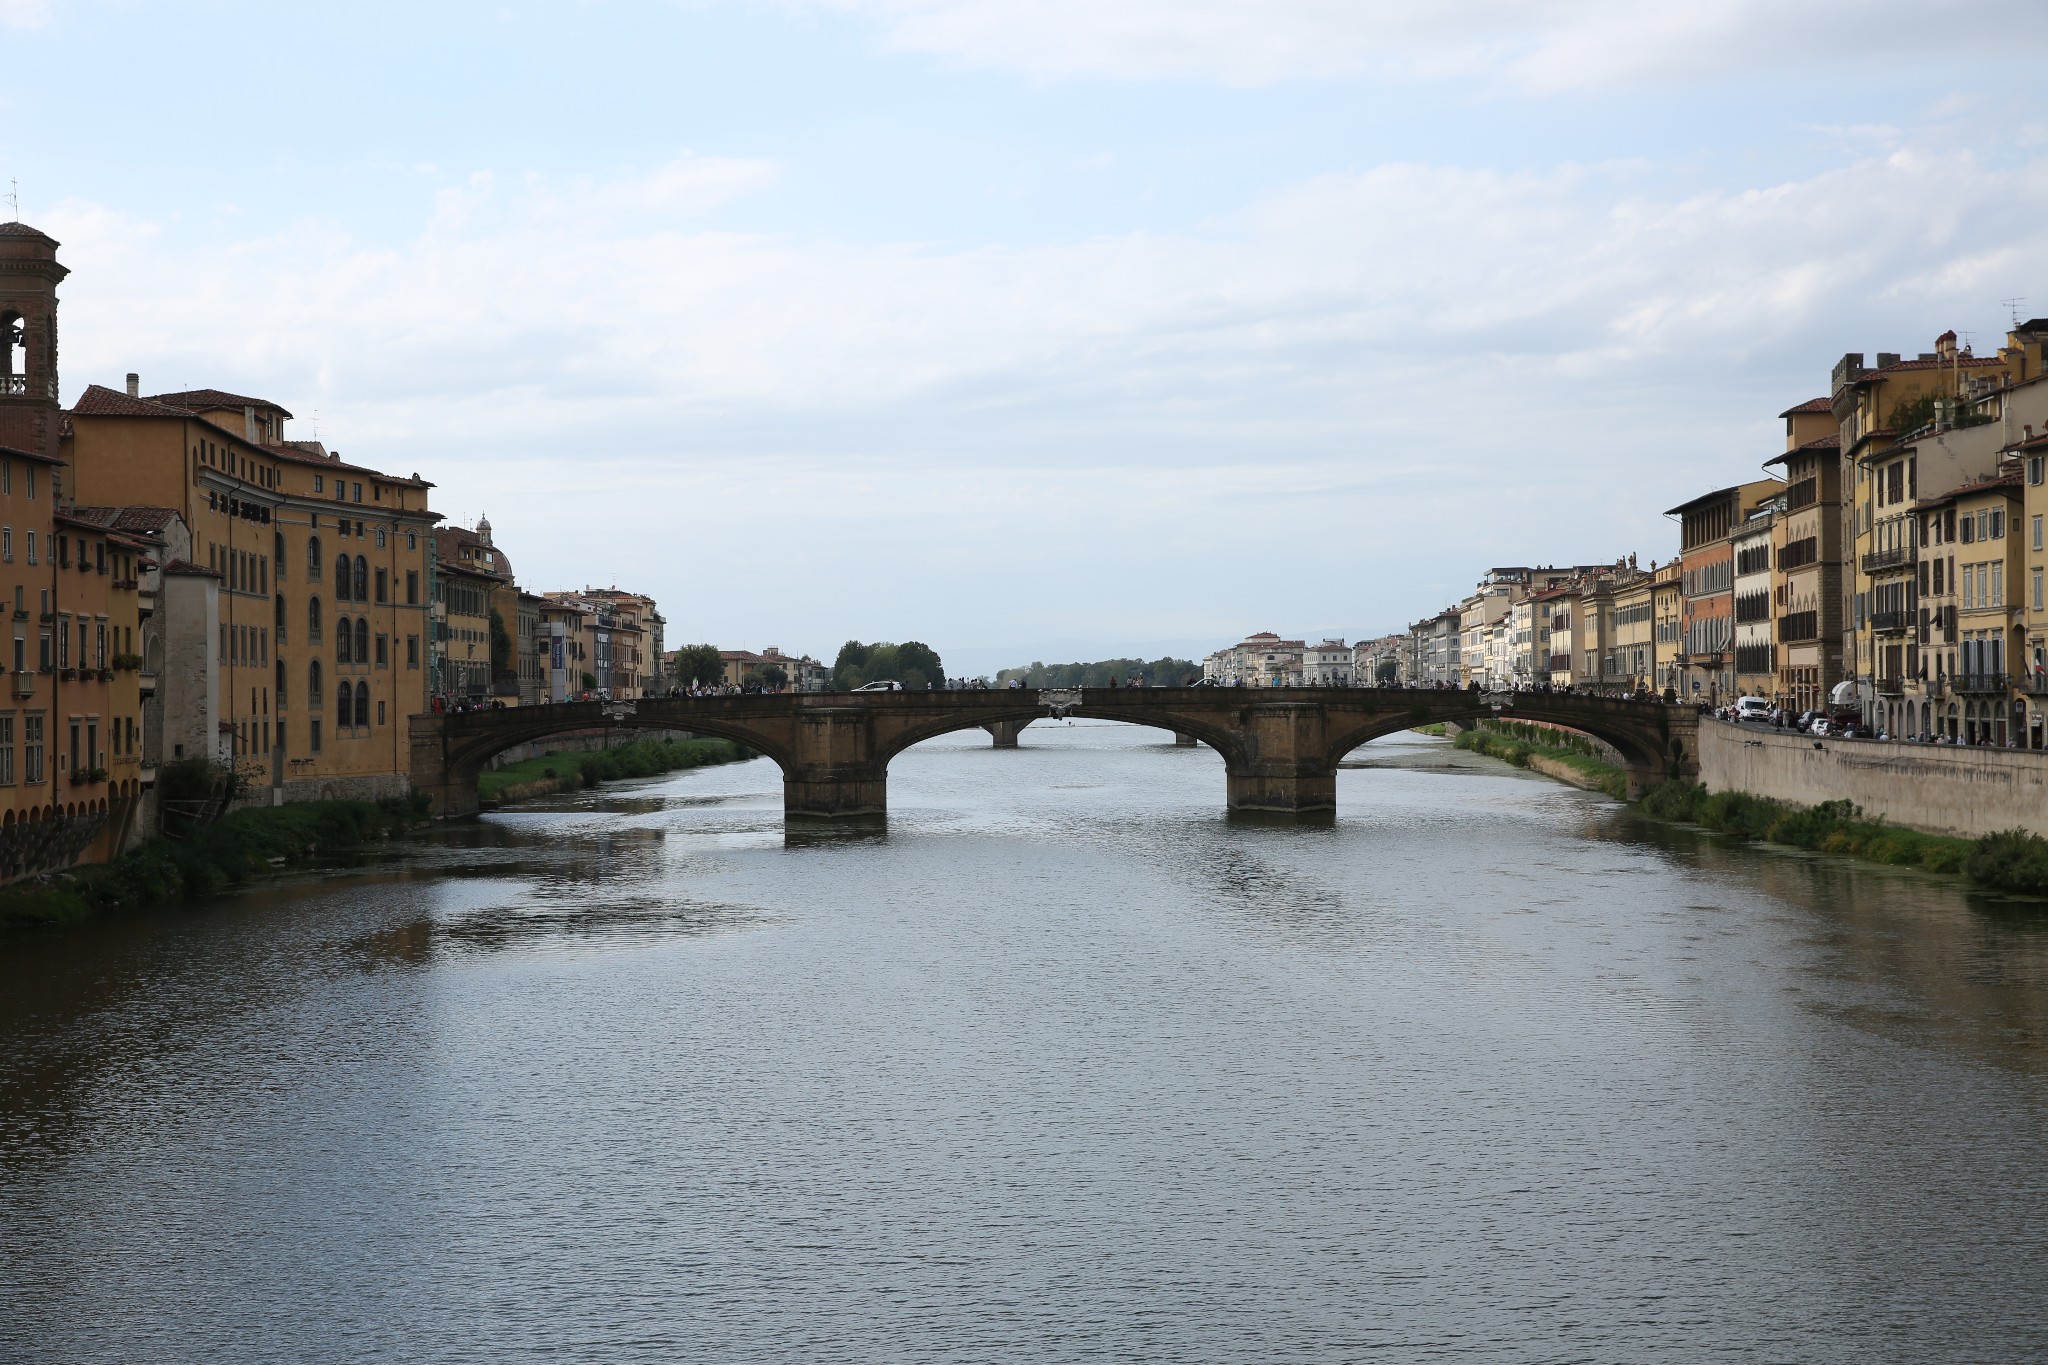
x: 911, y: 663
x: 1166, y: 672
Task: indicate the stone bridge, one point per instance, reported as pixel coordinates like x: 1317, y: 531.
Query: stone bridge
x: 1280, y: 747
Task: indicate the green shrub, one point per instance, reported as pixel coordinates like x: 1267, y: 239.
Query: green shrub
x: 1676, y: 801
x: 2011, y: 860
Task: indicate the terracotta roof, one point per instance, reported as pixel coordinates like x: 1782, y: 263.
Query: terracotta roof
x: 1832, y: 441
x: 29, y: 455
x: 195, y: 399
x: 180, y: 569
x: 147, y: 520
x: 24, y: 230
x: 1810, y: 405
x: 100, y: 401
x: 1976, y: 486
x: 1703, y: 498
x: 1961, y: 361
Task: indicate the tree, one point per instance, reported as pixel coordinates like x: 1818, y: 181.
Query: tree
x: 698, y: 664
x: 1388, y: 670
x: 911, y: 663
x: 501, y: 648
x: 590, y: 682
x: 773, y: 676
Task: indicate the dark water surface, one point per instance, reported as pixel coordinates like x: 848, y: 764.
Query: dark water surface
x: 1060, y: 1065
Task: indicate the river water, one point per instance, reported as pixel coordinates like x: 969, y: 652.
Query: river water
x: 1058, y: 1065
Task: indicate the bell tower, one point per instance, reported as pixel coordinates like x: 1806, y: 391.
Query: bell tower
x: 29, y: 275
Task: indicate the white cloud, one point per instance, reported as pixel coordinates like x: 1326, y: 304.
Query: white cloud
x: 601, y: 367
x: 1533, y: 44
x: 24, y: 13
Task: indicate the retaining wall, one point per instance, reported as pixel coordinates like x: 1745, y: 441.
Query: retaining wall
x: 1930, y: 787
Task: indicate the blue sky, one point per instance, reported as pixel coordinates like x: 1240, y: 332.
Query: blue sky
x: 1032, y: 330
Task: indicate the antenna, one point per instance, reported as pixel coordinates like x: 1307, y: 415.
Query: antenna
x: 14, y: 198
x: 2013, y: 306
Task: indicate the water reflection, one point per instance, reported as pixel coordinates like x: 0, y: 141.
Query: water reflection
x: 1056, y: 1062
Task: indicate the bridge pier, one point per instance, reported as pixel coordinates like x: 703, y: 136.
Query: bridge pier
x: 1005, y: 732
x: 831, y: 793
x: 1293, y: 793
x: 1185, y: 741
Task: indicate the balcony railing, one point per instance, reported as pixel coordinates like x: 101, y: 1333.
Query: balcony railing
x: 1886, y: 559
x: 1981, y: 682
x: 2036, y: 684
x: 1891, y: 687
x: 1891, y: 621
x: 21, y: 386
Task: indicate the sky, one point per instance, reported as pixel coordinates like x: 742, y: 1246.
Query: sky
x: 1033, y: 329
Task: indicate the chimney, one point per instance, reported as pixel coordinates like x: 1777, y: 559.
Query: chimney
x: 134, y: 384
x: 249, y: 422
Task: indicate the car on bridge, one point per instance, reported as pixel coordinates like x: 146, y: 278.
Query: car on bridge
x: 886, y: 685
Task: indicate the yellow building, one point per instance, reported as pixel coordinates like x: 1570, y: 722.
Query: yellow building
x: 1667, y: 606
x: 2033, y: 666
x: 324, y: 570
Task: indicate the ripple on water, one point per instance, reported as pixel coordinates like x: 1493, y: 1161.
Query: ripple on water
x: 1056, y: 1063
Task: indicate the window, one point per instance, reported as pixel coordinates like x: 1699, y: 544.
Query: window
x: 382, y: 593
x: 358, y: 493
x: 32, y: 747
x: 362, y: 639
x: 412, y: 540
x: 7, y: 541
x: 31, y: 547
x: 319, y: 486
x: 280, y: 618
x: 362, y: 583
x: 281, y: 680
x: 313, y: 734
x: 412, y: 576
x: 380, y: 537
x: 313, y: 621
x: 344, y: 641
x: 2037, y: 591
x: 344, y: 702
x: 363, y: 704
x: 315, y: 693
x: 2037, y: 534
x: 383, y: 658
x: 313, y: 559
x: 7, y: 749
x: 412, y: 650
x: 342, y: 576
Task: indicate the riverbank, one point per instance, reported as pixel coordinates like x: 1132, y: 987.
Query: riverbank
x: 232, y: 851
x: 1555, y: 753
x: 2012, y: 861
x: 565, y: 771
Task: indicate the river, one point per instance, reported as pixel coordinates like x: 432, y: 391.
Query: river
x: 1058, y: 1065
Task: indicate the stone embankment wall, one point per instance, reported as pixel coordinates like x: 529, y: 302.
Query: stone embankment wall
x: 1930, y: 787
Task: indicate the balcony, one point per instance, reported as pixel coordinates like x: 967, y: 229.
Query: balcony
x: 1891, y: 687
x: 1981, y: 683
x: 21, y: 386
x: 1896, y: 558
x: 2036, y: 684
x: 24, y: 686
x: 1891, y: 622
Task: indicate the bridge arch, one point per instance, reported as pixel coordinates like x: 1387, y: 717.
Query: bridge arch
x: 1280, y: 746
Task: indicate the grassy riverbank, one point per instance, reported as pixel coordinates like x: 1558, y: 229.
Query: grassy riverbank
x: 229, y: 852
x: 1555, y: 753
x: 2012, y: 861
x: 569, y: 771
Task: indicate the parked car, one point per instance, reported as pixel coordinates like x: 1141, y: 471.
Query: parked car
x: 886, y: 685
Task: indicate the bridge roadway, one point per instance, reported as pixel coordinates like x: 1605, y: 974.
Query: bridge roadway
x: 1280, y: 747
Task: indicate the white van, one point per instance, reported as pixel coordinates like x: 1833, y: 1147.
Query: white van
x: 1752, y: 708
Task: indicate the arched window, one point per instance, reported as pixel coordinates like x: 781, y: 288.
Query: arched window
x: 362, y: 639
x: 13, y: 348
x: 313, y: 559
x: 380, y: 537
x: 362, y: 591
x: 316, y: 691
x: 344, y: 641
x: 313, y: 621
x: 280, y: 618
x: 362, y: 703
x: 341, y: 578
x: 344, y: 702
x: 280, y: 685
x: 277, y: 552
